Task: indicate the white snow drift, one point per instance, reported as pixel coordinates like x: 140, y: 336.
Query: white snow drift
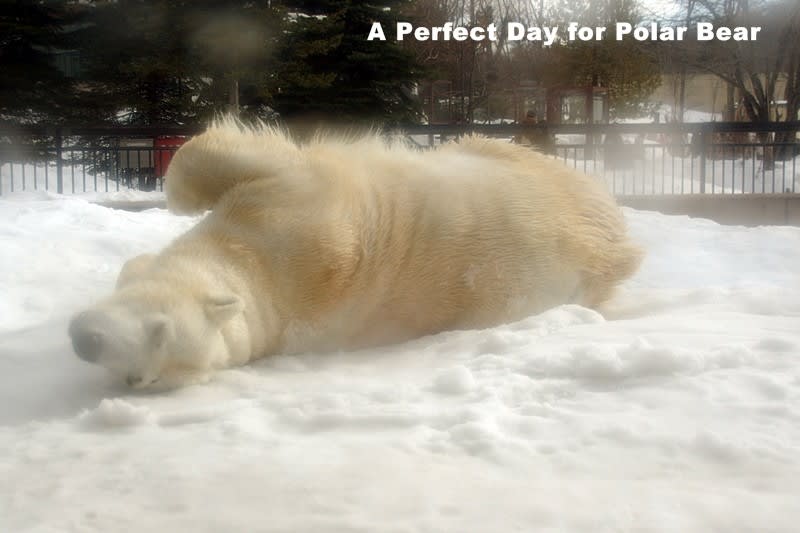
x: 679, y: 410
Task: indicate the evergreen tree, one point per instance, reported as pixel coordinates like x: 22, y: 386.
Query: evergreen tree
x: 180, y: 61
x: 32, y: 88
x: 232, y: 44
x: 136, y: 57
x: 327, y: 67
x: 175, y: 61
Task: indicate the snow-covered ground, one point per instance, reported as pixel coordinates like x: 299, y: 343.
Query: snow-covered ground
x: 677, y: 410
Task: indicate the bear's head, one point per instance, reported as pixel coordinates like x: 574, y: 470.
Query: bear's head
x: 152, y: 333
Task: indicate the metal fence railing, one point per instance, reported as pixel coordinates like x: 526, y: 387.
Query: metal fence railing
x: 659, y: 169
x: 661, y: 159
x: 78, y: 160
x: 633, y: 159
x: 96, y: 169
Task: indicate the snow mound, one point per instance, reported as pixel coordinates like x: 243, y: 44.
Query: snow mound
x: 455, y: 380
x: 116, y: 413
x: 637, y: 360
x: 675, y: 408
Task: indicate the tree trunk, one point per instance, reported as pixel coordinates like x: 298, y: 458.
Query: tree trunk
x: 233, y: 98
x: 730, y: 103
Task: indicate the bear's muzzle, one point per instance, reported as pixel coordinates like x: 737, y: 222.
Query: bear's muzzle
x: 86, y: 340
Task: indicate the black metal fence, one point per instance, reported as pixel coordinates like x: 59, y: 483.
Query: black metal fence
x: 80, y: 160
x: 661, y: 159
x: 633, y: 159
x: 94, y: 169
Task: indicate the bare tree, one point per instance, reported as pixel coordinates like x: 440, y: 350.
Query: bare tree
x: 753, y: 68
x: 488, y: 73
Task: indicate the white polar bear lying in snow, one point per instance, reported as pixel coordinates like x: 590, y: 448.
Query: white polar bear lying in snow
x: 343, y: 244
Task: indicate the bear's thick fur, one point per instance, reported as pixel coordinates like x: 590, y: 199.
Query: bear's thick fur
x: 342, y: 244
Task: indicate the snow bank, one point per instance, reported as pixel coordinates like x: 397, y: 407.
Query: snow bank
x: 676, y: 409
x: 116, y: 413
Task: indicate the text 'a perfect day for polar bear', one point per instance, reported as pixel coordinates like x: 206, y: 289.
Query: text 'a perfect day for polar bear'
x: 548, y: 35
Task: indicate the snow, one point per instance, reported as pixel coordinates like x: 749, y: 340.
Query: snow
x: 676, y: 409
x: 666, y: 112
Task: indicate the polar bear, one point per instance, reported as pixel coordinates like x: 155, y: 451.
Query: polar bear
x: 349, y: 243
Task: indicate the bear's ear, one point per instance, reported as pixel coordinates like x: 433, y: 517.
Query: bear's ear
x: 158, y: 329
x: 220, y: 308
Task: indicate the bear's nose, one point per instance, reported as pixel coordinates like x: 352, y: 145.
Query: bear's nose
x: 86, y: 341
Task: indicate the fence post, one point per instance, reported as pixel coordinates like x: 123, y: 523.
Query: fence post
x: 589, y: 150
x: 549, y: 145
x: 59, y: 164
x: 703, y: 144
